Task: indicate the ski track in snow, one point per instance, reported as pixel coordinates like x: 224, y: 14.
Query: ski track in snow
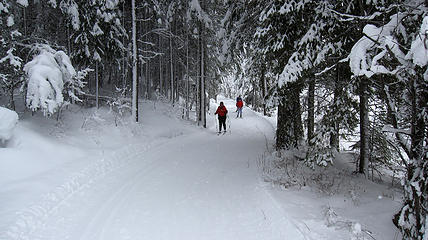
x: 191, y: 186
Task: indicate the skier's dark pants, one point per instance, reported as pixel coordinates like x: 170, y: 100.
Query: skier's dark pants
x: 222, y: 121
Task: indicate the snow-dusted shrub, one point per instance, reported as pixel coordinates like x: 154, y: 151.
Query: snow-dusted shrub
x: 47, y: 73
x: 357, y: 232
x: 119, y: 105
x: 8, y: 121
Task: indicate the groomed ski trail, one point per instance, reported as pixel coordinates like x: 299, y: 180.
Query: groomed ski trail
x: 190, y: 186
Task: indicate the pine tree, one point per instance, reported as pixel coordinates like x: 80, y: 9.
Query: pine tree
x: 379, y: 52
x: 10, y: 36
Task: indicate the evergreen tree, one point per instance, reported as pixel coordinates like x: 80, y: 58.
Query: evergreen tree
x: 10, y: 37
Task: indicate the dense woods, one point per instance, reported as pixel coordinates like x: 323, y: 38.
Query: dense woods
x: 331, y: 70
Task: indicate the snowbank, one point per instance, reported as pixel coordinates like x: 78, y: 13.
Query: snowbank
x: 8, y: 121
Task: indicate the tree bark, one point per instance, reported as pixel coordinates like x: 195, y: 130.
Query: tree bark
x: 364, y: 126
x: 134, y: 65
x: 334, y: 135
x: 311, y: 110
x: 96, y: 85
x: 160, y: 67
x: 289, y: 127
x: 264, y: 89
x: 187, y: 74
x: 202, y: 118
x: 171, y: 97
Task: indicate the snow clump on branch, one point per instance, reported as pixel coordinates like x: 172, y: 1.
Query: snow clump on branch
x: 47, y: 73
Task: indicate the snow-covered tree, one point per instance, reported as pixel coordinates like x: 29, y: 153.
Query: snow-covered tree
x: 399, y: 50
x: 47, y: 74
x: 96, y: 35
x: 10, y: 61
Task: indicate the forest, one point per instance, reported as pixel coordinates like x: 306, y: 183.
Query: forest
x: 329, y: 70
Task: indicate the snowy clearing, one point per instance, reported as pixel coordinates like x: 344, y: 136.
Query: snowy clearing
x: 164, y: 178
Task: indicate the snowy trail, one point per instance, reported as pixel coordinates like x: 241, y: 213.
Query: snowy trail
x: 191, y: 186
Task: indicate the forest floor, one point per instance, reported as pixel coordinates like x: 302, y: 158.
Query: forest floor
x: 95, y: 176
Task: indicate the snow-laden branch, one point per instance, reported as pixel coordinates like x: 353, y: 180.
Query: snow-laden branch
x: 361, y: 59
x: 349, y: 17
x: 12, y: 59
x: 47, y: 73
x: 394, y: 130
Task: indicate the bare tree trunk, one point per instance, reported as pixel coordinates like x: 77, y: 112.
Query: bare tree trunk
x: 198, y: 82
x: 25, y: 21
x: 364, y: 126
x: 12, y: 100
x: 334, y: 135
x: 124, y: 51
x: 149, y: 81
x: 264, y: 90
x: 311, y: 110
x: 142, y: 79
x: 289, y: 127
x: 171, y: 97
x: 134, y: 65
x: 281, y: 130
x: 96, y: 85
x: 203, y: 97
x: 160, y: 67
x: 187, y: 74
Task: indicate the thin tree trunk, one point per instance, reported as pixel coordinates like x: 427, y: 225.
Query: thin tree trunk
x: 311, y: 110
x: 334, y: 135
x: 203, y: 97
x: 12, y: 100
x: 96, y: 85
x: 281, y: 134
x: 149, y: 81
x: 142, y: 79
x: 264, y: 90
x: 124, y: 50
x: 198, y: 82
x: 134, y: 64
x: 187, y: 74
x: 364, y: 126
x: 25, y: 21
x: 171, y: 97
x: 160, y: 67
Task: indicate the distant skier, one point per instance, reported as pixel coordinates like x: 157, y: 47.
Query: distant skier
x: 221, y: 111
x: 239, y: 105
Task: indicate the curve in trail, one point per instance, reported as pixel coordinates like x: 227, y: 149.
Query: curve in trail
x: 193, y: 186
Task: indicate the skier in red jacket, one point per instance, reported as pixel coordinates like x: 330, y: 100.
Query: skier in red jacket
x: 239, y: 105
x: 222, y: 112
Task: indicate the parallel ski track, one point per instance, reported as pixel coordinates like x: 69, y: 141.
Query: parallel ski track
x: 34, y: 217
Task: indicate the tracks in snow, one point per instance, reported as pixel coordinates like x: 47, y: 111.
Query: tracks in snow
x: 188, y: 187
x: 36, y: 216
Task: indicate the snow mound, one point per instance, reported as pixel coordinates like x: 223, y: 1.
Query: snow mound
x: 8, y: 121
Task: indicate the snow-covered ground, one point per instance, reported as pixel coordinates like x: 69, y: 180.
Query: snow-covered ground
x: 165, y: 178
